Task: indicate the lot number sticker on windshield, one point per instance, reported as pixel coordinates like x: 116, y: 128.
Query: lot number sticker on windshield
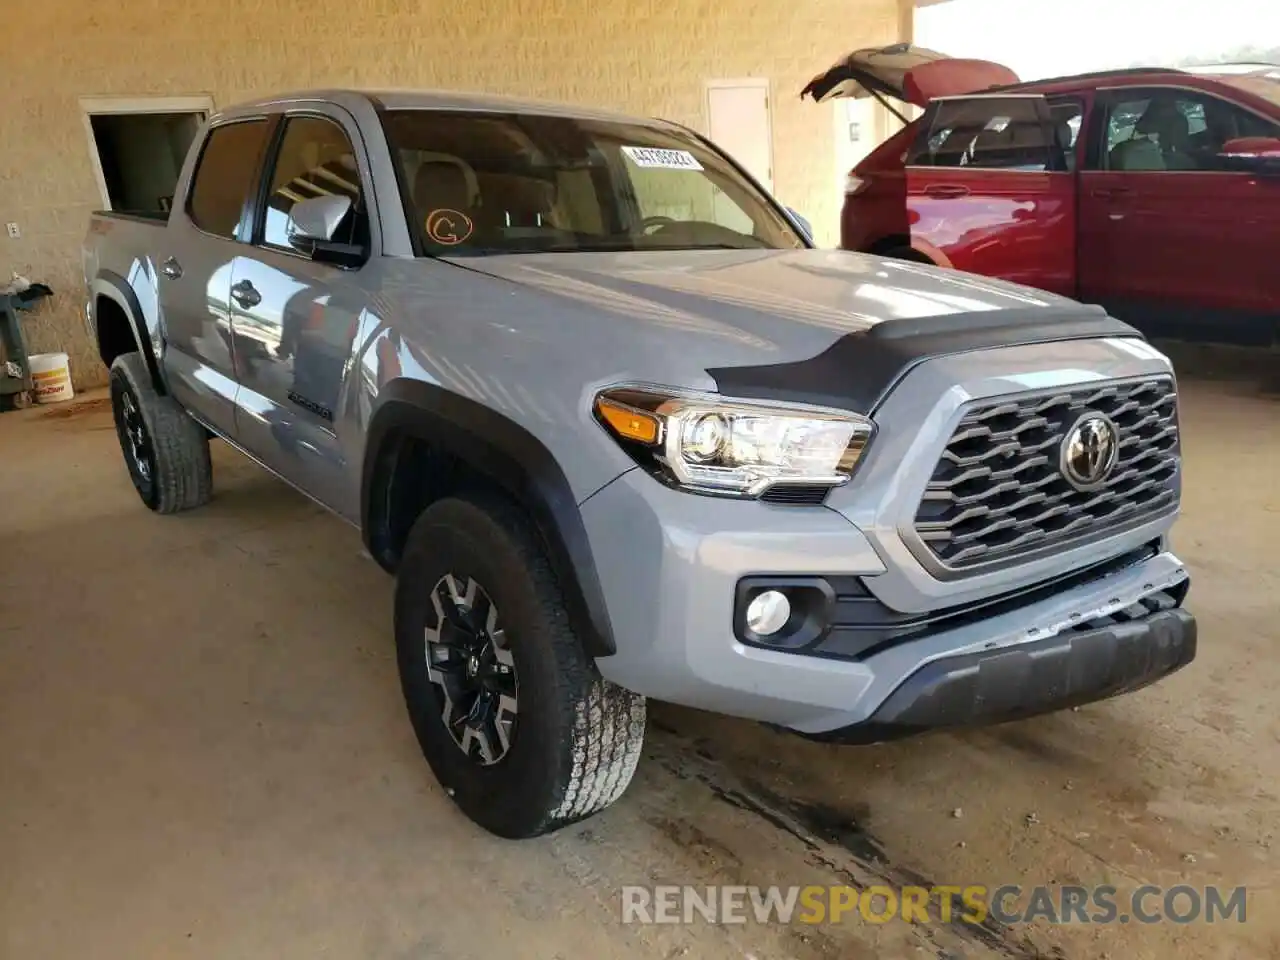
x: 663, y: 159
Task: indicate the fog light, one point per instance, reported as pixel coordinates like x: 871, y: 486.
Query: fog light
x: 768, y: 613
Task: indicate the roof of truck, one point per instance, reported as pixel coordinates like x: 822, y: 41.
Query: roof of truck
x: 409, y: 99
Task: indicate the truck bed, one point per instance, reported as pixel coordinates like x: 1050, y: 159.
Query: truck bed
x: 124, y: 244
x: 147, y: 216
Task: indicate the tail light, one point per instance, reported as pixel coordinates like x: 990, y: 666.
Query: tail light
x: 854, y: 185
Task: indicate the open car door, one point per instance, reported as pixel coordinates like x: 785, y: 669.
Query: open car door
x: 907, y: 73
x: 989, y: 186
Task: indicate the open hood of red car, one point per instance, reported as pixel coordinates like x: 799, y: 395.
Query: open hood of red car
x: 904, y: 72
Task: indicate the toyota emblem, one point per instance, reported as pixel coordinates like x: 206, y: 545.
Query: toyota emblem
x: 1090, y: 451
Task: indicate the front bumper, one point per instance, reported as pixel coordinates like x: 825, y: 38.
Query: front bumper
x: 670, y: 562
x: 995, y: 686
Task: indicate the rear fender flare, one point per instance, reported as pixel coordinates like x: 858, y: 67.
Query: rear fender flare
x: 511, y: 458
x: 116, y: 288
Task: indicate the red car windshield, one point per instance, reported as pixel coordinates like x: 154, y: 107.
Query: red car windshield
x: 1266, y: 85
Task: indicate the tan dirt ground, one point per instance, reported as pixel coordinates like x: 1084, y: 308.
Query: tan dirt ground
x: 203, y: 753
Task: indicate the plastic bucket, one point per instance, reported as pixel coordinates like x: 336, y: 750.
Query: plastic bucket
x: 51, y: 375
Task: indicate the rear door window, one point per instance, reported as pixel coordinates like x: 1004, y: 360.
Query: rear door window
x: 226, y: 173
x: 991, y: 133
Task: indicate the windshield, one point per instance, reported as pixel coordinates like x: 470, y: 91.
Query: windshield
x: 1263, y: 84
x: 487, y: 183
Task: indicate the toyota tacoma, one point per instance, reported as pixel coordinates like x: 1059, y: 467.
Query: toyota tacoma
x: 621, y: 431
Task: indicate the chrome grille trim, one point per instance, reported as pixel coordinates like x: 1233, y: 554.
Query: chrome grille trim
x: 997, y: 493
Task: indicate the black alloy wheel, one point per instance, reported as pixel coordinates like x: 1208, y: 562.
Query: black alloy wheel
x: 470, y: 666
x: 135, y: 441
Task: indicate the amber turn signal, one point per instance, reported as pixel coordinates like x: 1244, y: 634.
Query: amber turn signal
x: 628, y: 423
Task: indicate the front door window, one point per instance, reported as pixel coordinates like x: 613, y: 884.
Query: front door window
x: 1170, y: 129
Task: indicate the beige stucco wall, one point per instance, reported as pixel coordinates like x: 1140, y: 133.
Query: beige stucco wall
x: 642, y: 56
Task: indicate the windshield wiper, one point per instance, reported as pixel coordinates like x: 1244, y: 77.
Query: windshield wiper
x: 593, y: 247
x: 708, y: 246
x: 465, y: 251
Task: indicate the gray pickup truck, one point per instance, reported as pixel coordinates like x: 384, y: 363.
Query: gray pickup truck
x: 621, y: 431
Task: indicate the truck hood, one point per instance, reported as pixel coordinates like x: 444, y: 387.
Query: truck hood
x: 760, y: 300
x: 819, y: 326
x: 904, y: 72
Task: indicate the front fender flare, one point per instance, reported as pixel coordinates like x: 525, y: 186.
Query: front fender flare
x: 511, y: 458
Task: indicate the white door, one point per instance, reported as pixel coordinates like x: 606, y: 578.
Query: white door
x: 738, y: 123
x: 857, y: 134
x: 861, y: 126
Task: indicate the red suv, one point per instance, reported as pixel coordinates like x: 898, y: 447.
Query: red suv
x: 1154, y: 192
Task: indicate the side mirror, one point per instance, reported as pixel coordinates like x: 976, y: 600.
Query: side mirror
x: 1260, y: 155
x: 311, y: 227
x: 805, y: 226
x: 315, y: 219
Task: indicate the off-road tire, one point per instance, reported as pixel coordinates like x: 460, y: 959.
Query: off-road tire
x: 181, y: 473
x: 577, y: 737
x: 910, y: 254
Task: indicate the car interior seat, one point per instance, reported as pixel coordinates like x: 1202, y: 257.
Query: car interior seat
x: 1169, y: 148
x: 445, y: 185
x: 954, y: 147
x: 519, y: 201
x: 1172, y: 131
x: 990, y: 146
x: 1136, y: 153
x: 1062, y: 137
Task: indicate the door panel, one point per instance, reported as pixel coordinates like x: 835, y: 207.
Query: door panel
x: 292, y: 348
x: 194, y: 267
x: 738, y: 123
x: 1170, y: 239
x: 1150, y: 236
x: 199, y: 357
x: 294, y: 319
x: 989, y: 186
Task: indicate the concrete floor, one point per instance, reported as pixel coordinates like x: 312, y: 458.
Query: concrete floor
x: 203, y: 753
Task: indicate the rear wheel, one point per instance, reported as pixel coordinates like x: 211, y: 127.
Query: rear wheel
x: 908, y: 253
x: 511, y: 714
x: 166, y: 452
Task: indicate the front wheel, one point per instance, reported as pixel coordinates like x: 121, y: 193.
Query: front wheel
x: 510, y: 712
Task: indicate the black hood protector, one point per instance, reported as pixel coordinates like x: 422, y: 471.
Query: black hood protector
x: 857, y: 371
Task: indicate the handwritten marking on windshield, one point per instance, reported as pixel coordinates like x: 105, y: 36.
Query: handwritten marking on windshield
x: 448, y: 227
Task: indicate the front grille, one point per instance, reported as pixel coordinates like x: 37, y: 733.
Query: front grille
x: 998, y: 492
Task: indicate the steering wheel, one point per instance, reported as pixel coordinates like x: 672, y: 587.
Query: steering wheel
x: 650, y: 224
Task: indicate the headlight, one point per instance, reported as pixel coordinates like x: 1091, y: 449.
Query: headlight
x: 710, y: 444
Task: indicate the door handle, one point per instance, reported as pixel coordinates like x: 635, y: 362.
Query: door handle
x: 246, y: 294
x: 1111, y: 193
x: 171, y: 268
x: 946, y: 191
